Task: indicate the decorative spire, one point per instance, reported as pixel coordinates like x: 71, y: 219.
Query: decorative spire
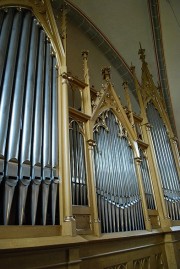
x: 133, y: 71
x: 84, y: 54
x: 141, y: 52
x: 106, y: 73
x: 159, y: 89
x: 86, y: 94
x: 132, y: 68
x: 128, y: 100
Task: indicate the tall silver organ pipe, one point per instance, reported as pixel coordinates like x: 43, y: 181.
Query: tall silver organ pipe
x: 29, y: 119
x: 6, y: 24
x: 147, y: 181
x: 78, y: 165
x: 166, y: 163
x: 7, y: 83
x: 54, y: 116
x: 38, y: 116
x: 119, y: 202
x: 17, y: 102
x: 47, y: 108
x: 1, y: 19
x: 29, y: 95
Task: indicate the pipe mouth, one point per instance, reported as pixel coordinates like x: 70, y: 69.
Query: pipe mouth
x: 25, y: 180
x: 11, y: 180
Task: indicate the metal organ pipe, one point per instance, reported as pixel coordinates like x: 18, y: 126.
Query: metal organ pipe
x: 28, y: 115
x: 28, y: 120
x: 54, y: 140
x: 29, y: 96
x: 4, y: 38
x: 38, y: 114
x: 15, y: 125
x: 8, y: 66
x: 7, y: 85
x: 78, y: 166
x: 54, y: 116
x: 47, y: 108
x: 37, y: 128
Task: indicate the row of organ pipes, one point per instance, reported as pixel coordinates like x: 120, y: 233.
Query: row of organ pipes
x: 29, y: 175
x: 166, y: 162
x: 119, y: 202
x: 78, y: 165
x: 28, y: 119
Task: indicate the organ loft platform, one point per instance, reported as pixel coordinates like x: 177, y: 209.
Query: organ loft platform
x: 89, y: 176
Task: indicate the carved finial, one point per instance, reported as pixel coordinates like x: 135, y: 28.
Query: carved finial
x: 41, y: 5
x: 106, y: 72
x: 125, y: 84
x: 132, y: 68
x: 142, y: 53
x: 159, y: 88
x: 128, y: 100
x: 138, y: 160
x: 84, y: 54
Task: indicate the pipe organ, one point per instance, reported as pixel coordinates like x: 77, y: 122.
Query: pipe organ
x: 28, y: 121
x: 119, y: 202
x: 105, y: 151
x: 166, y: 162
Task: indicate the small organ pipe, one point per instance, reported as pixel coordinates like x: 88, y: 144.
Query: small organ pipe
x: 78, y: 166
x: 146, y: 181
